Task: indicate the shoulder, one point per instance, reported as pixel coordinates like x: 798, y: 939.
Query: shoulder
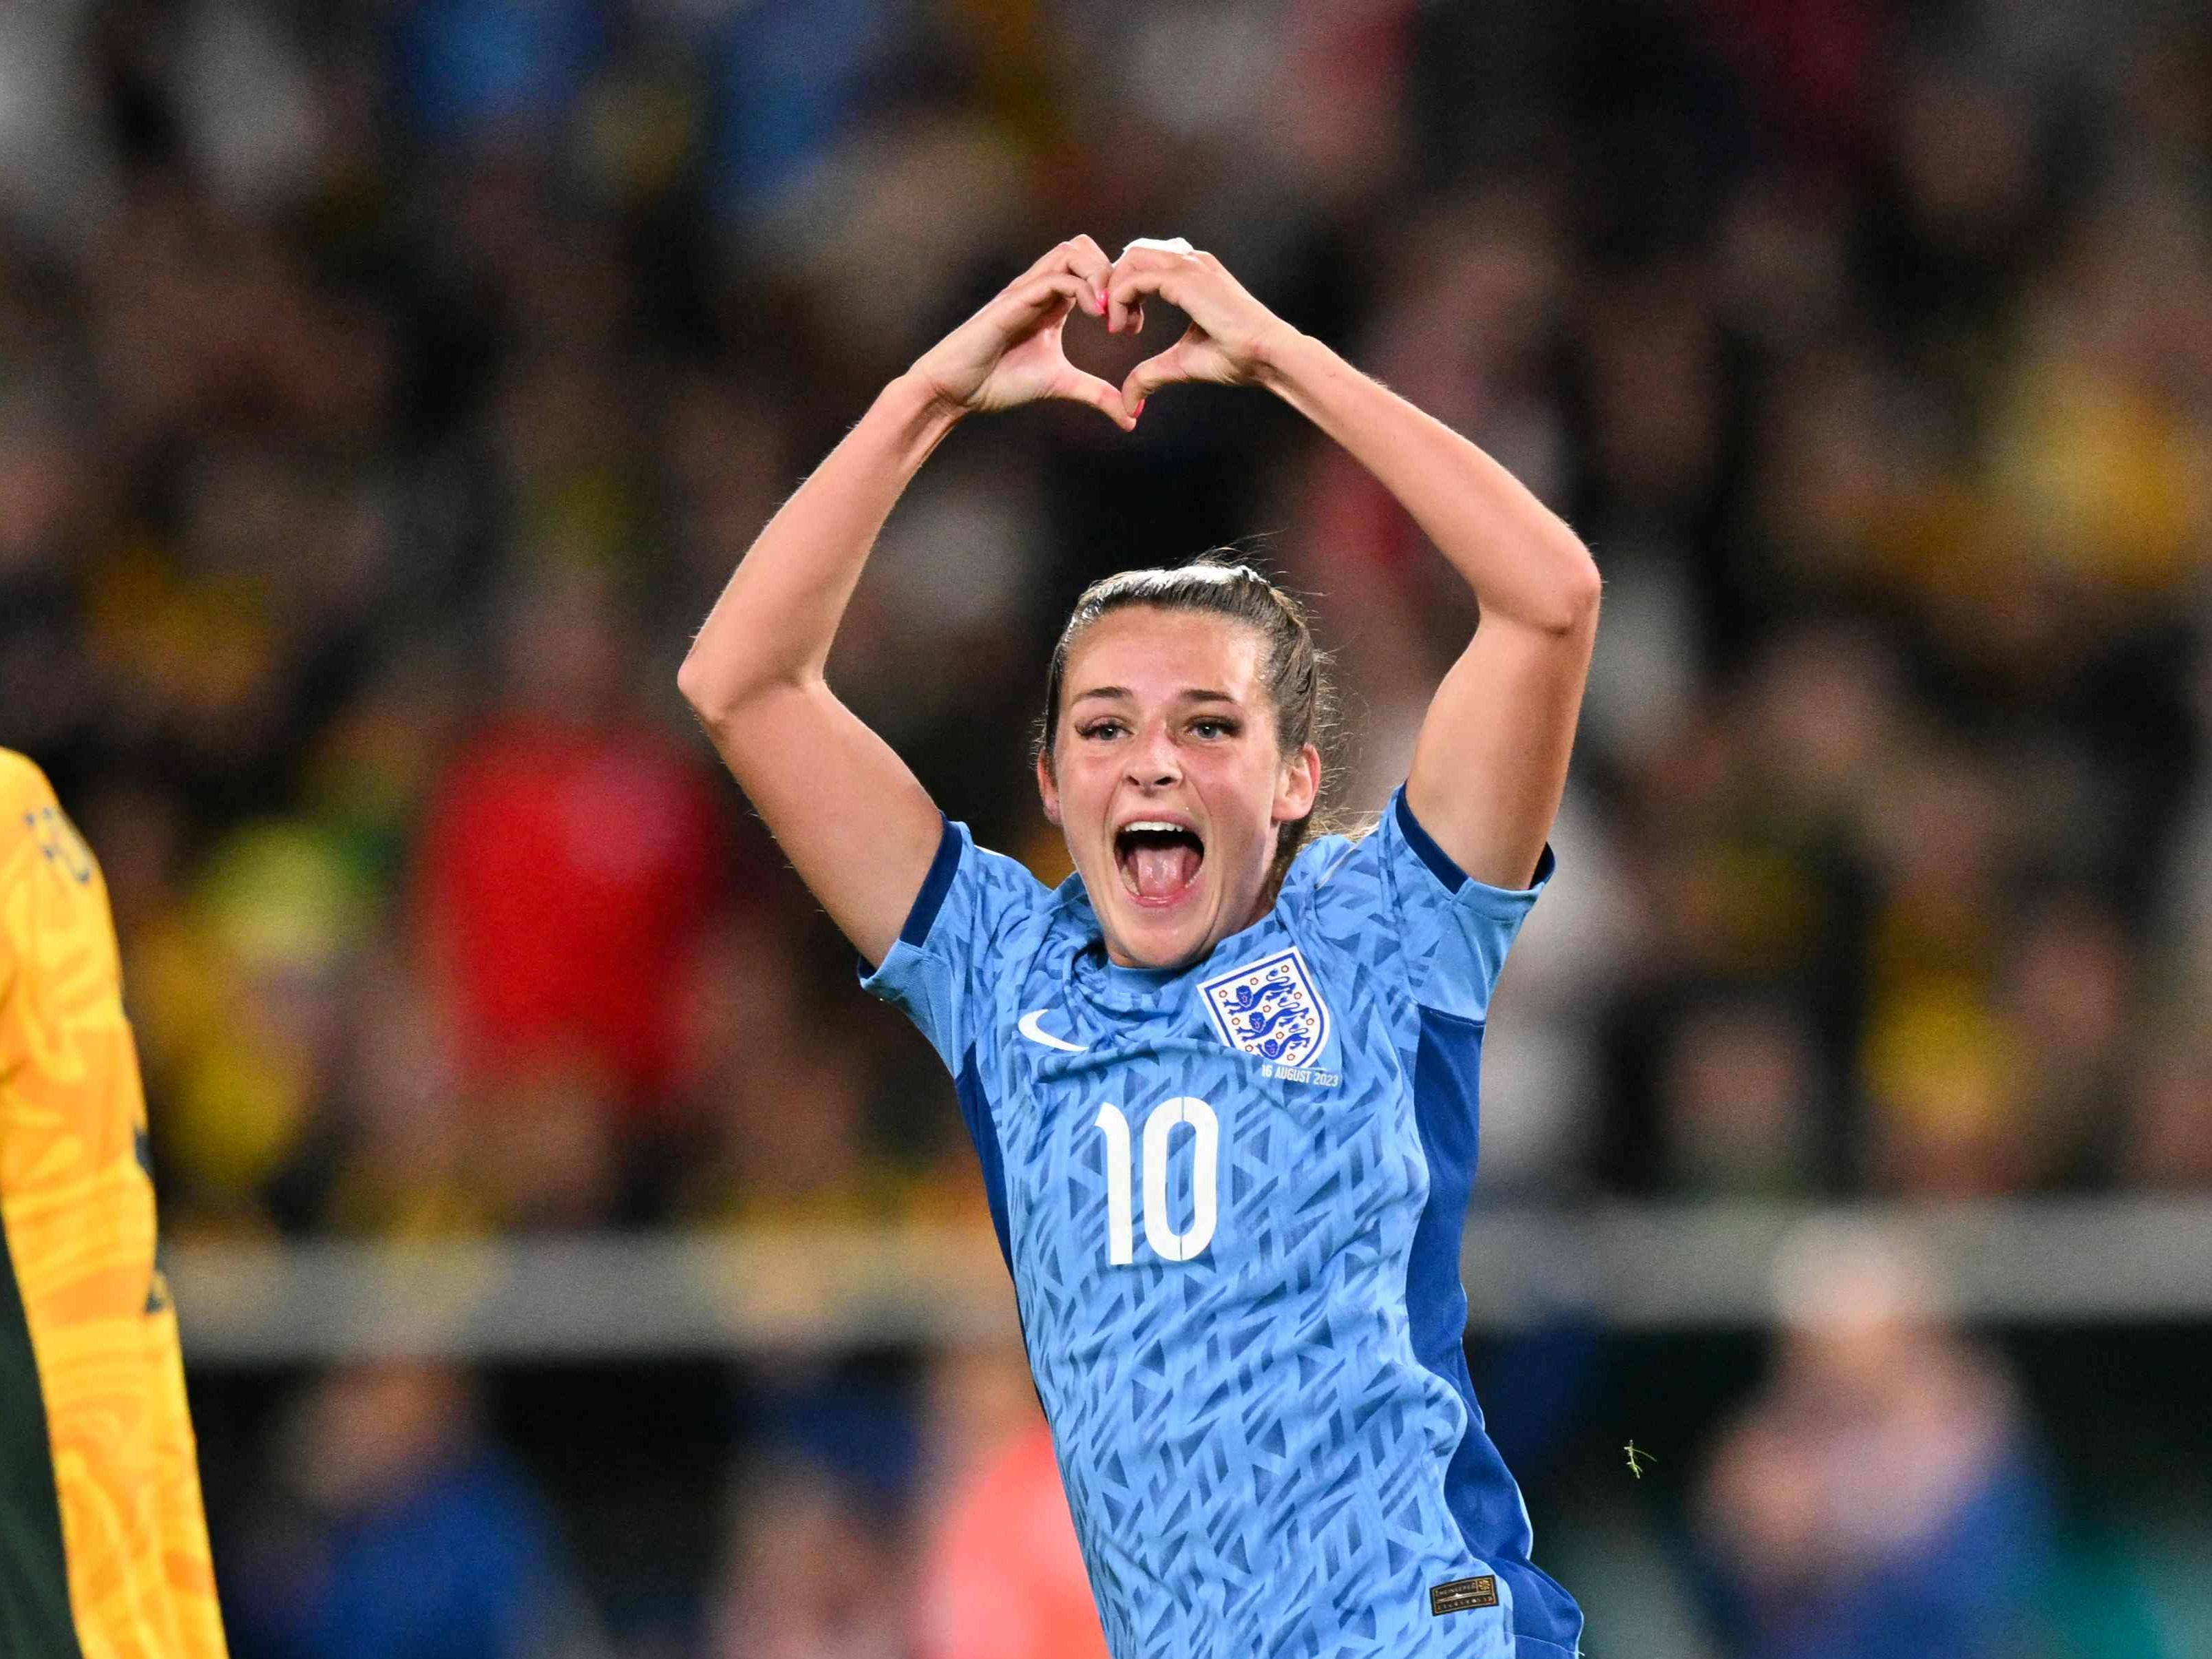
x: 23, y: 788
x: 1394, y: 849
x: 33, y: 826
x: 1347, y: 870
x: 51, y: 887
x: 969, y: 900
x: 1392, y: 904
x: 1002, y: 887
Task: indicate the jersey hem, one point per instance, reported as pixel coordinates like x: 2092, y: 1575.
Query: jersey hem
x: 1544, y: 1648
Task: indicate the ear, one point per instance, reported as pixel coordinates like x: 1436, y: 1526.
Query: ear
x: 1299, y: 786
x: 1048, y: 790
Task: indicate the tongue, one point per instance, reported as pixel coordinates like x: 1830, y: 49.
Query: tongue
x: 1163, y: 872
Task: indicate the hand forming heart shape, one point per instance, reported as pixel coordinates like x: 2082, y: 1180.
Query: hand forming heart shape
x: 1011, y: 351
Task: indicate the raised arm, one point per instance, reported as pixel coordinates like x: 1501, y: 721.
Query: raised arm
x: 849, y: 813
x: 1491, y: 759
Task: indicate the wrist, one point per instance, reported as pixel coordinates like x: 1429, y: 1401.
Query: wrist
x: 1287, y: 359
x: 918, y: 408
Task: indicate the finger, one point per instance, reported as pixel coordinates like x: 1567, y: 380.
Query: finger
x: 1088, y: 260
x: 1053, y: 259
x: 1029, y: 309
x: 1130, y: 314
x: 1120, y: 299
x: 1161, y: 368
x: 1021, y: 306
x: 1131, y: 282
x: 1083, y: 258
x: 1077, y: 247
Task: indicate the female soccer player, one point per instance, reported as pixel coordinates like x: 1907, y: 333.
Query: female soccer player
x: 1222, y: 1081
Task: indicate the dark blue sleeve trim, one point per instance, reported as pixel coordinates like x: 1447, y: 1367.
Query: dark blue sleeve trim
x: 1439, y: 861
x: 934, y: 886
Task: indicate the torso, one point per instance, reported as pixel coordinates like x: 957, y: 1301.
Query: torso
x: 1239, y: 1390
x: 1232, y: 1198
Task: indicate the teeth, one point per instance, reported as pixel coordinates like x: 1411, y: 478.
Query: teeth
x: 1153, y: 823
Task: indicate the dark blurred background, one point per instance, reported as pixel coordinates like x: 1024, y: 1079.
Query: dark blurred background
x: 387, y: 388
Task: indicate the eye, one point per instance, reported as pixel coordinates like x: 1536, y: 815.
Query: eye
x: 1100, y: 729
x: 1214, y: 727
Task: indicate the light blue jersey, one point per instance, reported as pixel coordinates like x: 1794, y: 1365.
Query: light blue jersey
x: 1231, y: 1199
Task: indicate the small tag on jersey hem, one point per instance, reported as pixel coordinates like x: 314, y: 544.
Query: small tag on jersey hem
x: 1463, y: 1595
x: 1301, y: 1074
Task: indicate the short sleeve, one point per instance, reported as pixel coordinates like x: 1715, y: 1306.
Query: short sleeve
x: 1396, y: 900
x: 942, y: 968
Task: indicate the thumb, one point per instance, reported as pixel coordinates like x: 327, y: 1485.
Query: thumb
x: 1150, y: 375
x: 1078, y: 387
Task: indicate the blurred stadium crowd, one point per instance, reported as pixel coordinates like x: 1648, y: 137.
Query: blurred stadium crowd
x: 387, y: 386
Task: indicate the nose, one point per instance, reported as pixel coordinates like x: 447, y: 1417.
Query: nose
x: 1152, y: 762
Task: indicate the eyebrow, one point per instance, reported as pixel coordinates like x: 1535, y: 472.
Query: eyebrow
x: 1197, y: 694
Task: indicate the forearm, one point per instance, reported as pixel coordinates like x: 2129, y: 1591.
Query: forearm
x: 1524, y: 562
x: 776, y: 619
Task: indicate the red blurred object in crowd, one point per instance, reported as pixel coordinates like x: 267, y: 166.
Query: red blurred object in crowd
x: 568, y: 873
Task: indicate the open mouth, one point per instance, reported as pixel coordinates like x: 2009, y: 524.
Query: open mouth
x: 1159, y: 861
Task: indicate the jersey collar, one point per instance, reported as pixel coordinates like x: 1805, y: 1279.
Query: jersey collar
x: 1089, y: 973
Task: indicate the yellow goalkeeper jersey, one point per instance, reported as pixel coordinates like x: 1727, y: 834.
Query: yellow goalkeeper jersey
x: 103, y: 1543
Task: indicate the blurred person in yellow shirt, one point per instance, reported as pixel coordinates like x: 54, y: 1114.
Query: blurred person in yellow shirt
x: 103, y: 1543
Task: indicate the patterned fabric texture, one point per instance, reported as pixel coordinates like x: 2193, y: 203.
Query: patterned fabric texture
x: 78, y: 1212
x: 1232, y: 1198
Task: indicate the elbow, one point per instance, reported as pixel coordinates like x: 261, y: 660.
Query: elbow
x: 715, y: 695
x: 692, y: 680
x: 1570, y: 608
x: 722, y: 693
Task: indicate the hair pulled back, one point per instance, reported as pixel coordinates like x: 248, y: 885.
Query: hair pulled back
x: 1292, y: 670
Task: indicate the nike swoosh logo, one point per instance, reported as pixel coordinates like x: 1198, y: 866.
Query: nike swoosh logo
x: 1029, y: 1028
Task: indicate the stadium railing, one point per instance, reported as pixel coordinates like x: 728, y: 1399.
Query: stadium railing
x: 1628, y: 1266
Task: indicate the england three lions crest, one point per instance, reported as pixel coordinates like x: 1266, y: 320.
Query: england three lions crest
x: 1270, y: 1009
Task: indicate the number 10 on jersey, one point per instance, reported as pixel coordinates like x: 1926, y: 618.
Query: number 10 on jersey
x: 1159, y: 1231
